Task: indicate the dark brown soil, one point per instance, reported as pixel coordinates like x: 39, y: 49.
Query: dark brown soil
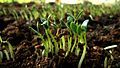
x: 102, y: 31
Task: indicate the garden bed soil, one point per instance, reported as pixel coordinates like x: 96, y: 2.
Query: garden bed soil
x: 101, y: 32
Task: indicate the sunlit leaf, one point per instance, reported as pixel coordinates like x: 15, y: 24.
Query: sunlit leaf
x: 85, y: 23
x: 35, y: 13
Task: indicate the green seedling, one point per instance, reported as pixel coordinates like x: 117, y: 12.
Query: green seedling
x: 55, y: 43
x: 84, y: 27
x: 21, y: 14
x: 69, y: 46
x: 14, y: 13
x: 5, y: 51
x: 4, y: 11
x: 105, y: 62
x: 7, y: 55
x: 63, y: 43
x: 24, y: 14
x: 47, y: 42
x: 29, y: 13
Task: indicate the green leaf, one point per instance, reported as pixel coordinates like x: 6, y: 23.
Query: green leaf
x: 80, y: 13
x: 11, y: 50
x: 40, y: 35
x: 70, y: 19
x: 7, y: 55
x: 35, y: 13
x: 73, y: 27
x: 79, y: 29
x: 4, y: 11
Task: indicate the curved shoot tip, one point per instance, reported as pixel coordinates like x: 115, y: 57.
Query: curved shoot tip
x: 110, y: 47
x: 85, y: 23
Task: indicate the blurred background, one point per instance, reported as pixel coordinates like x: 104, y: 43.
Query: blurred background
x: 97, y: 2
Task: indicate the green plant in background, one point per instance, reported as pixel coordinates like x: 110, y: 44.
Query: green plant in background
x: 6, y: 50
x: 15, y: 14
x: 4, y: 11
x: 71, y: 42
x: 24, y: 15
x: 35, y: 13
x: 58, y: 12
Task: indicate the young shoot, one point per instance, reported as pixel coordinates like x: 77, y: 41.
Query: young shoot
x: 84, y: 27
x: 3, y: 49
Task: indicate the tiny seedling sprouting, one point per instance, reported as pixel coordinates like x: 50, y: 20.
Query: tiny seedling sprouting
x: 3, y: 50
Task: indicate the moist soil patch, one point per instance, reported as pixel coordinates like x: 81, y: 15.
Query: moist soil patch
x: 103, y: 31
